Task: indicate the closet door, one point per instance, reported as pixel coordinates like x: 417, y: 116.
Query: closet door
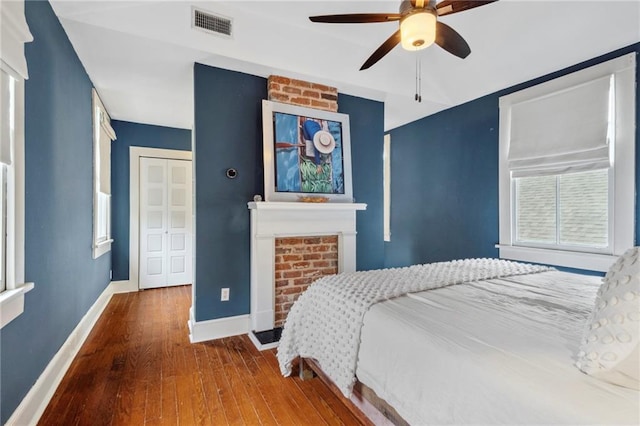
x: 165, y: 222
x: 180, y: 215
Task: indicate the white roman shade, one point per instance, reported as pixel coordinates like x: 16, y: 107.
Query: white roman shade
x: 107, y: 134
x: 566, y: 131
x: 14, y: 33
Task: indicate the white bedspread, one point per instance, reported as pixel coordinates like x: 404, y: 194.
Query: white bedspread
x: 325, y: 321
x: 494, y: 352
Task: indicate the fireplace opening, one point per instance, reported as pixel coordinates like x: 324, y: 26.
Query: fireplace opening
x: 299, y: 261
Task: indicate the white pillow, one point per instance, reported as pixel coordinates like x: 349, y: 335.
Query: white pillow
x: 610, y: 346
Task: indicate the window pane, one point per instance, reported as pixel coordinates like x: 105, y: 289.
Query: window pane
x: 584, y: 210
x: 103, y: 217
x: 3, y: 227
x: 536, y: 209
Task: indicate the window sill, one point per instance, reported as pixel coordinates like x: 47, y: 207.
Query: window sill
x: 568, y: 259
x: 101, y: 248
x: 12, y: 303
x: 102, y: 243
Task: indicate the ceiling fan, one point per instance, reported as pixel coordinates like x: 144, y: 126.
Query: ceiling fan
x: 419, y: 26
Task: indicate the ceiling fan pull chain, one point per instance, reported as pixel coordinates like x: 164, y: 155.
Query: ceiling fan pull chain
x: 416, y: 97
x: 419, y: 80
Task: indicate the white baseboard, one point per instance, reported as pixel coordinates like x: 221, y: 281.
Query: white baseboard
x: 37, y: 399
x: 124, y: 286
x: 201, y: 331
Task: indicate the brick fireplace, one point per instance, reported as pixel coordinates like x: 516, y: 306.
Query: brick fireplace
x: 309, y: 240
x: 294, y: 243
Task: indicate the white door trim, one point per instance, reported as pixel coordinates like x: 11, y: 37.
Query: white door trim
x: 135, y: 152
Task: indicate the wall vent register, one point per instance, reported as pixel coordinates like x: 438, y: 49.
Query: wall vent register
x: 211, y: 23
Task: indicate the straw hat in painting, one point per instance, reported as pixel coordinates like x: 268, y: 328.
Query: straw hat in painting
x: 324, y: 142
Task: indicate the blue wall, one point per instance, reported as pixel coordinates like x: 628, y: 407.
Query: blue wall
x: 228, y: 133
x: 133, y: 134
x: 444, y: 192
x: 366, y: 120
x: 445, y: 179
x: 59, y: 203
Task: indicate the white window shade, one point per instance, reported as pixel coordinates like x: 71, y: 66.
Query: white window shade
x: 14, y: 33
x: 566, y: 131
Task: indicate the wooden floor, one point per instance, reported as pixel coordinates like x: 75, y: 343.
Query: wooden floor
x: 137, y: 367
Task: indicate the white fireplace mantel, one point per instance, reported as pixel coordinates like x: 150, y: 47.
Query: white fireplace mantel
x: 284, y: 219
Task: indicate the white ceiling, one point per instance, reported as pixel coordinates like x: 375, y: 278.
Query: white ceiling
x: 140, y: 54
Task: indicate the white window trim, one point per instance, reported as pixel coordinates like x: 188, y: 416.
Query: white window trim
x: 14, y: 33
x: 102, y: 120
x: 623, y: 218
x: 12, y: 299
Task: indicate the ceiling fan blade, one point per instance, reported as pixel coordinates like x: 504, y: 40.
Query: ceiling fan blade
x: 356, y: 18
x: 447, y: 7
x: 382, y: 50
x: 451, y: 41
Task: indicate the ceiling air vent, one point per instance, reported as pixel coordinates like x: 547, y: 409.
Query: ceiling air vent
x: 211, y: 23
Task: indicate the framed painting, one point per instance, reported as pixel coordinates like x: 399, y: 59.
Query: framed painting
x: 307, y: 154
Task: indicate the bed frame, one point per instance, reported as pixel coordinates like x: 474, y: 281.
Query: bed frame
x: 364, y: 404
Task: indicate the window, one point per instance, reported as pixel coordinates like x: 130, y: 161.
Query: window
x: 567, y: 180
x: 3, y: 227
x: 386, y: 178
x: 14, y: 33
x: 7, y: 86
x: 103, y: 134
x: 565, y: 210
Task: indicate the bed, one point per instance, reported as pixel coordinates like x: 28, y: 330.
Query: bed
x: 478, y: 341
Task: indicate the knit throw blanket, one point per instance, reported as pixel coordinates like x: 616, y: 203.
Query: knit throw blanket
x: 325, y: 322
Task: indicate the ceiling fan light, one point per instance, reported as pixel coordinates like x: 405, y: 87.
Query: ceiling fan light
x: 418, y: 30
